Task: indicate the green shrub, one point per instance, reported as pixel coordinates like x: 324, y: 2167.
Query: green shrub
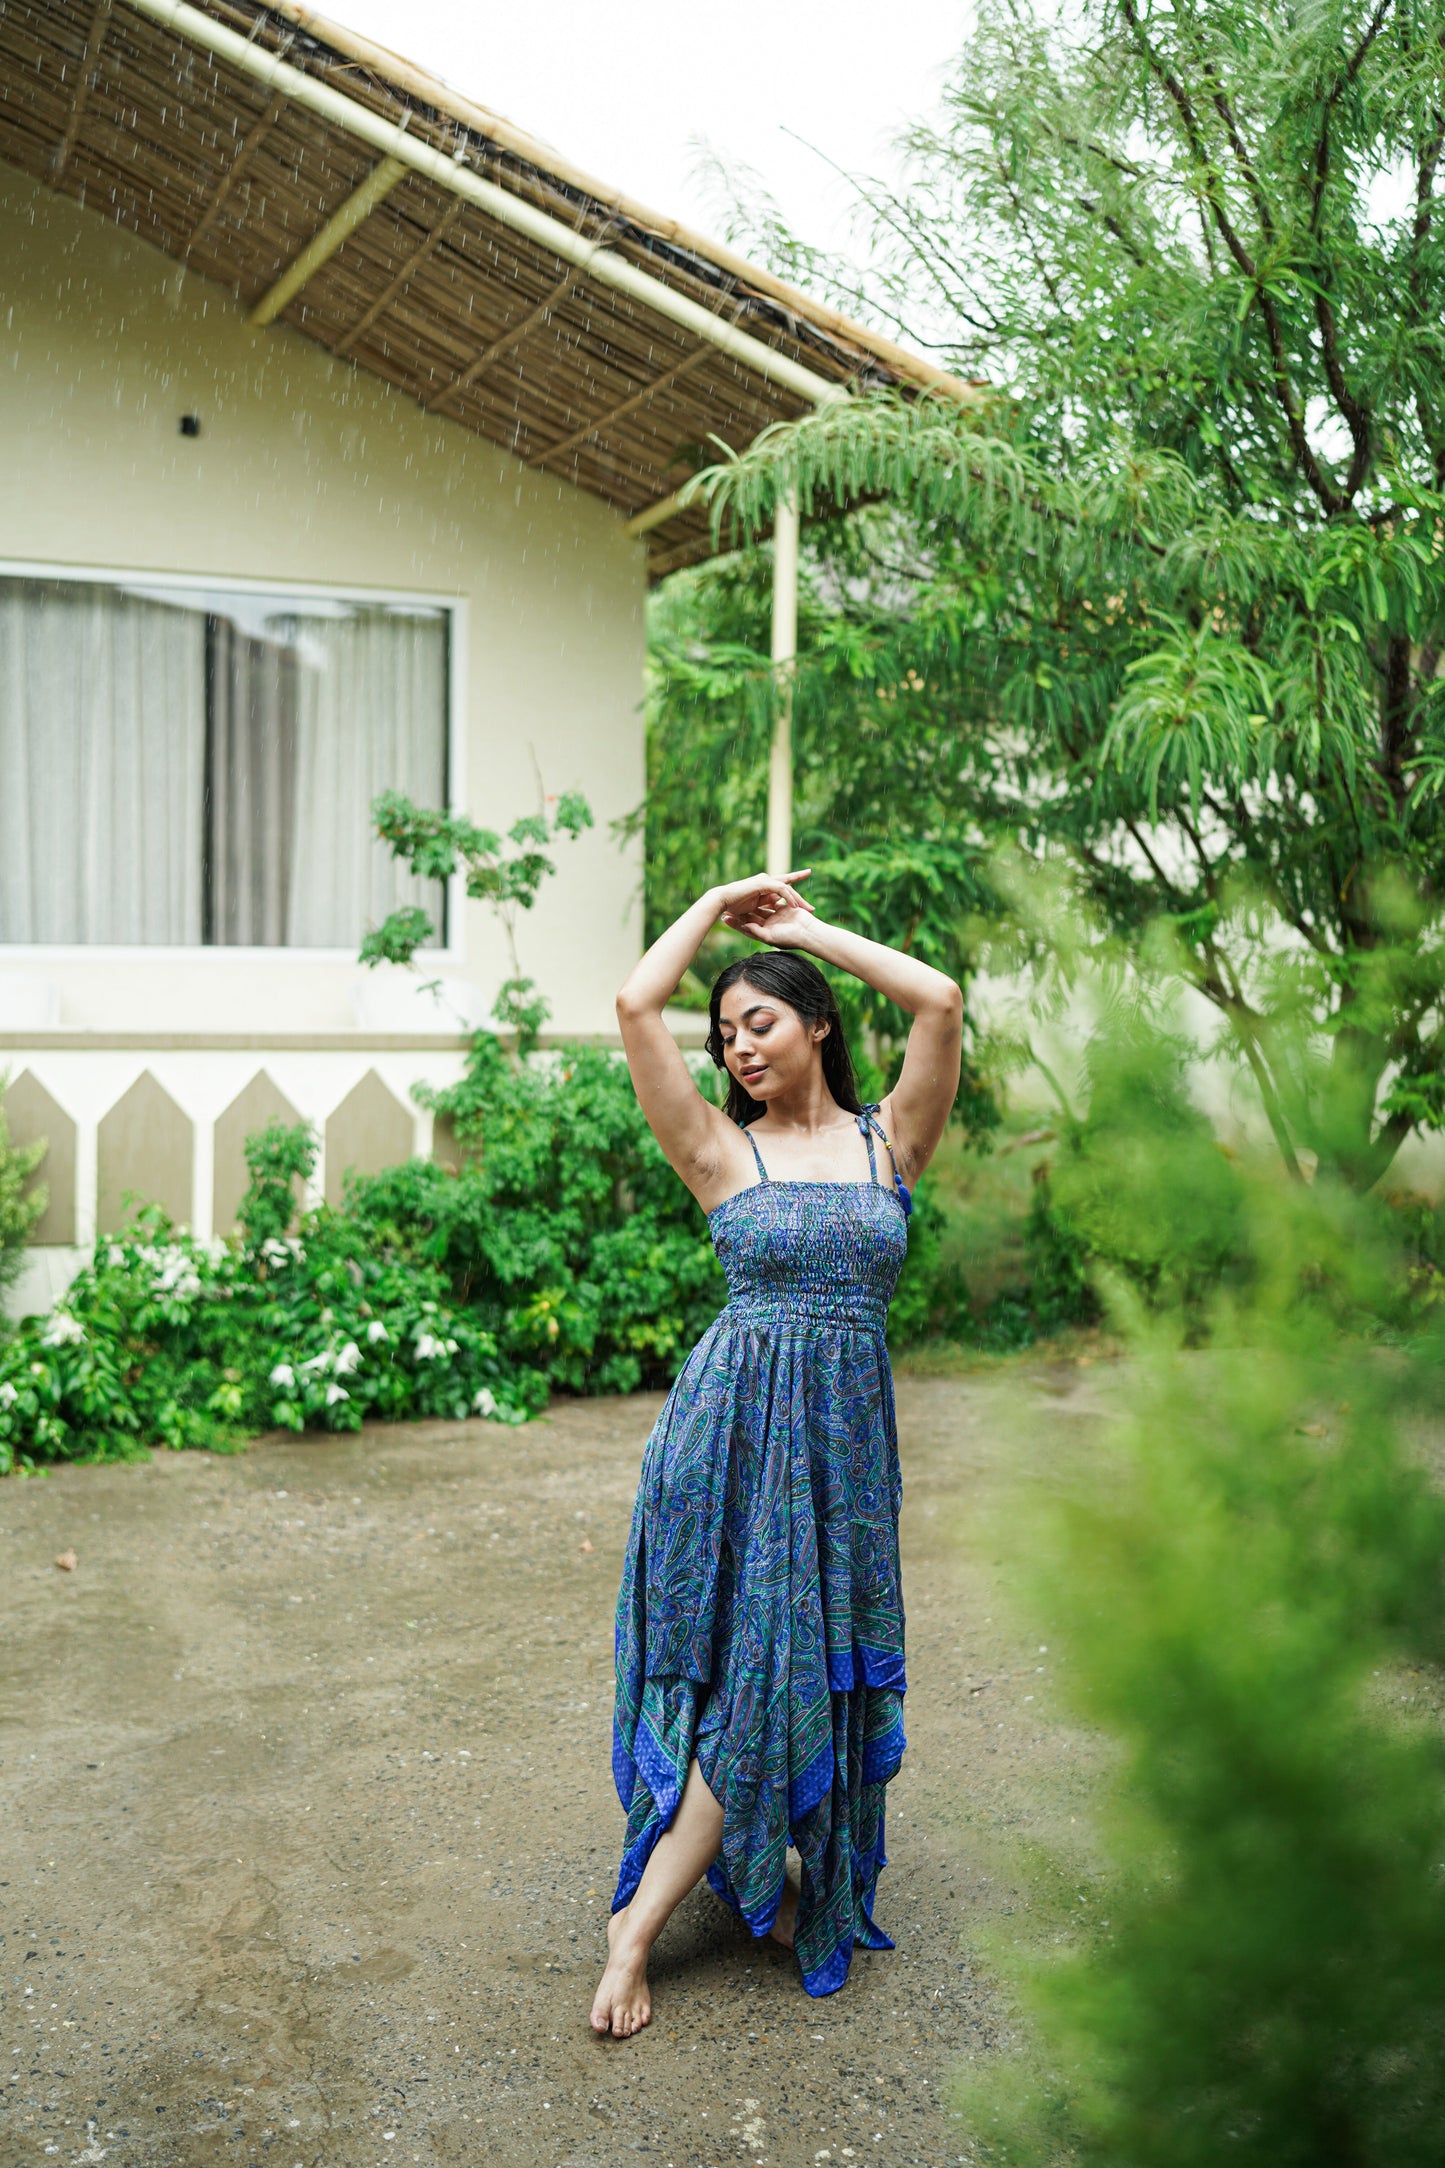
x: 1141, y: 1185
x: 564, y: 1253
x: 162, y: 1340
x: 931, y: 1301
x: 565, y: 1228
x: 1248, y: 1599
x: 20, y: 1205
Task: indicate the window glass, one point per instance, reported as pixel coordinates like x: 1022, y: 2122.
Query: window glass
x: 185, y: 767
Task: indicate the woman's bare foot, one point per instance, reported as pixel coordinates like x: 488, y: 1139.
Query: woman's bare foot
x: 622, y: 2004
x: 783, y: 1926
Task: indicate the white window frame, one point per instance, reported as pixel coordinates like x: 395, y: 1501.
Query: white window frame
x: 453, y: 952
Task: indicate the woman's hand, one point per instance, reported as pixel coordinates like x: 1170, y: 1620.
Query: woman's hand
x: 768, y: 908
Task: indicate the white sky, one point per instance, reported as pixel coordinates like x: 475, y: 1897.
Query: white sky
x: 627, y: 88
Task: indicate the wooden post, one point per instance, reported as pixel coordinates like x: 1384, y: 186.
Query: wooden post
x: 785, y: 658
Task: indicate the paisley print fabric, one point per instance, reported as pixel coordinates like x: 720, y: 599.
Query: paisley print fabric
x: 760, y: 1620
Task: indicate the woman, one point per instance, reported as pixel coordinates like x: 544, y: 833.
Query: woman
x: 760, y: 1624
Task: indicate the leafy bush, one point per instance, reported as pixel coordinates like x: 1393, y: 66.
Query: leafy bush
x: 1249, y: 1598
x: 564, y: 1231
x: 19, y: 1211
x: 564, y: 1252
x: 162, y: 1340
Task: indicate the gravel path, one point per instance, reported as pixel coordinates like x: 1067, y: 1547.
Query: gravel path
x: 307, y: 1831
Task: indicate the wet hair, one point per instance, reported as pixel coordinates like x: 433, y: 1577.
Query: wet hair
x: 797, y: 982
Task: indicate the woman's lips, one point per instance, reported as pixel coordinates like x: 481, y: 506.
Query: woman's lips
x: 750, y: 1076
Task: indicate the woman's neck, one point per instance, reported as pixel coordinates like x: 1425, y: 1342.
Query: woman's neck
x: 806, y: 1111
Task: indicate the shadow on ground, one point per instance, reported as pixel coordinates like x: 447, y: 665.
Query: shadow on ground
x: 309, y: 1833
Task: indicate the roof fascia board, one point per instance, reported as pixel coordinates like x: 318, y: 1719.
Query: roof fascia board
x: 591, y: 258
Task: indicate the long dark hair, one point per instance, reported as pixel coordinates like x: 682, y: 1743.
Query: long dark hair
x: 796, y: 980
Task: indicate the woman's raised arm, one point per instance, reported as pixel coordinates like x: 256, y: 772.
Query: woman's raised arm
x: 916, y: 1111
x: 693, y: 1133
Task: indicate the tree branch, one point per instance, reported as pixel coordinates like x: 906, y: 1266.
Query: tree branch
x: 1285, y: 393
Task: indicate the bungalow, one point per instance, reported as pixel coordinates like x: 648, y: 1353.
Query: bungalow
x: 344, y: 427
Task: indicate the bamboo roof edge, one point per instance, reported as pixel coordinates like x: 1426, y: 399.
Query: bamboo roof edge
x: 406, y: 75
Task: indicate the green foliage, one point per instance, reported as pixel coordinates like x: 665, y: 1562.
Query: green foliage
x: 1169, y: 600
x: 879, y: 814
x: 1247, y: 1595
x: 563, y: 1253
x: 1140, y: 1186
x: 930, y: 1302
x: 21, y: 1205
x: 279, y: 1159
x: 504, y: 872
x: 163, y: 1341
x: 1060, y: 1285
x: 565, y: 1229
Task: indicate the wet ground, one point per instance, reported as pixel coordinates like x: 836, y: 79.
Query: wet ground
x: 307, y: 1832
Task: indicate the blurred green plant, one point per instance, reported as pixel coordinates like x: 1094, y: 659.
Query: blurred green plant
x: 1248, y: 1591
x: 22, y: 1200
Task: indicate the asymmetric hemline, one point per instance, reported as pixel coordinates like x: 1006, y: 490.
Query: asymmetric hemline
x: 760, y: 1620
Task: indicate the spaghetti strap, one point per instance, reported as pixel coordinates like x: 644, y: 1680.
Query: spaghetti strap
x: 867, y: 1128
x: 869, y: 1116
x: 757, y: 1155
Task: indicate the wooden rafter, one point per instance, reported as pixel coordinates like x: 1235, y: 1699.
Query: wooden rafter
x: 394, y: 286
x: 686, y: 552
x: 255, y: 137
x: 626, y: 406
x: 333, y: 235
x: 89, y: 69
x: 509, y: 338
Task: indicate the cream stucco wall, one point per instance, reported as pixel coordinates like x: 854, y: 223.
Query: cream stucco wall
x: 307, y: 471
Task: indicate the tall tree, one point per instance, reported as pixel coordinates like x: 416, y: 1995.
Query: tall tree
x: 1173, y: 596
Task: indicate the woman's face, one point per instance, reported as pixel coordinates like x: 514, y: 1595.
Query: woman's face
x: 766, y: 1044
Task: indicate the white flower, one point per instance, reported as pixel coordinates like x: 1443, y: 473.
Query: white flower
x: 335, y: 1393
x: 323, y: 1361
x: 115, y: 1255
x: 348, y: 1360
x: 450, y: 1346
x: 62, y: 1329
x: 486, y: 1401
x: 427, y: 1345
x: 283, y: 1374
x: 377, y: 1331
x: 8, y: 1395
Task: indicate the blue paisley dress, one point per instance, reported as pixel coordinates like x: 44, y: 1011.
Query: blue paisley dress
x: 760, y: 1620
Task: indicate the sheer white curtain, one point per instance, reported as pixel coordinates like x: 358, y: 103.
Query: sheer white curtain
x: 370, y: 716
x: 199, y: 768
x: 102, y: 752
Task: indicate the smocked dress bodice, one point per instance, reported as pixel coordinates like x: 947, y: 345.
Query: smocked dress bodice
x: 829, y: 1252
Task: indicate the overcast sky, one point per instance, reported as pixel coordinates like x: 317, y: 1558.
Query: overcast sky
x: 626, y: 89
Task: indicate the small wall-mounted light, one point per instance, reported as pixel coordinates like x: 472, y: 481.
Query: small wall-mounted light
x: 190, y: 425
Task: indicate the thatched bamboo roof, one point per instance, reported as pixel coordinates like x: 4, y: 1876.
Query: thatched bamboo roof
x: 427, y: 290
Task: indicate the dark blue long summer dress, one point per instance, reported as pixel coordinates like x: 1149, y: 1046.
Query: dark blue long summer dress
x: 760, y: 1620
